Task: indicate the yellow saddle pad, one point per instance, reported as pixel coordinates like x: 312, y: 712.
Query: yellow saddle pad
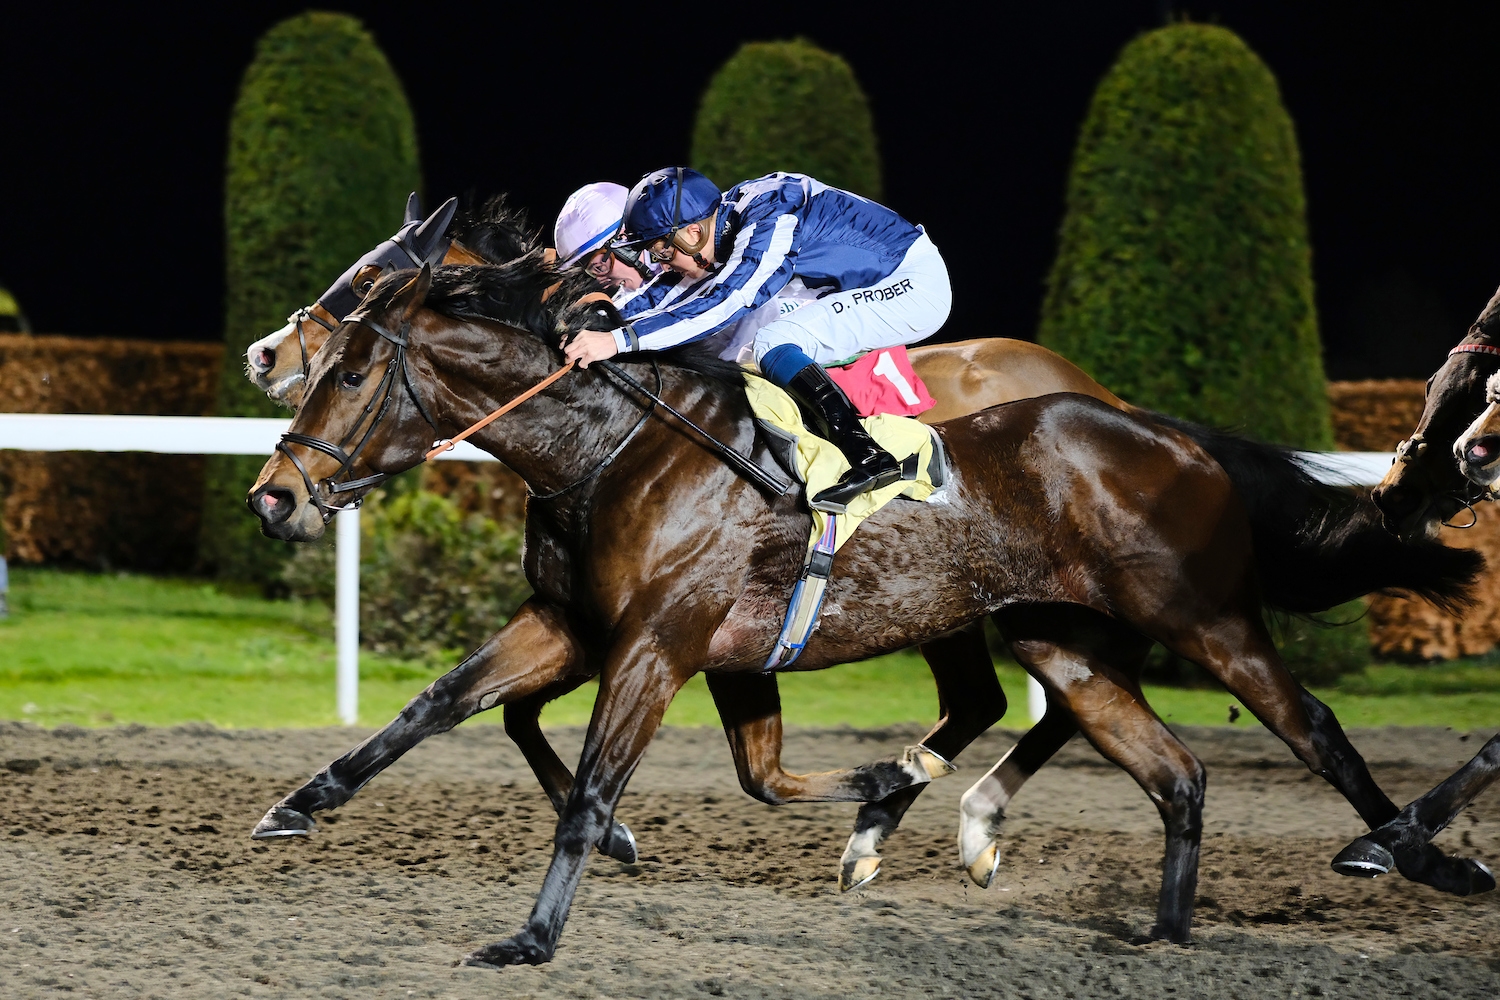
x: 820, y: 464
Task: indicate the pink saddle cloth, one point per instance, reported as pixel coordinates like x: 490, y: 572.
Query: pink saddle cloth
x: 883, y: 382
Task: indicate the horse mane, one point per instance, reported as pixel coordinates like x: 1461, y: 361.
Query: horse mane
x: 512, y: 293
x: 497, y: 230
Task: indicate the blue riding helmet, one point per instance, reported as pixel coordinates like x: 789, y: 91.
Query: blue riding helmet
x: 418, y: 241
x: 664, y: 201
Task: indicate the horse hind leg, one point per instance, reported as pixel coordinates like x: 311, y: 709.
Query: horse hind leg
x: 1239, y: 652
x: 1410, y: 832
x: 1114, y: 716
x: 970, y: 701
x: 750, y: 707
x: 981, y: 812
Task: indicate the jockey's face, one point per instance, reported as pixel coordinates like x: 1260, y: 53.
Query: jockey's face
x: 611, y: 272
x: 684, y: 263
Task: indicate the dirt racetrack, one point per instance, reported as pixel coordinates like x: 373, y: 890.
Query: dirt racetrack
x: 127, y: 871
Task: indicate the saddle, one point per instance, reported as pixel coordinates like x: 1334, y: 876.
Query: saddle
x: 817, y: 464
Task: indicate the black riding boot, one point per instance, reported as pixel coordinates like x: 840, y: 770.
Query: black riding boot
x: 870, y: 466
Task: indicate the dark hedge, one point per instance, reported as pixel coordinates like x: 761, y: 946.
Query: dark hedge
x: 322, y: 153
x: 1183, y: 278
x: 787, y: 106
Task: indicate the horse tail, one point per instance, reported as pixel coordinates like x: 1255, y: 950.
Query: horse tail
x: 1317, y: 546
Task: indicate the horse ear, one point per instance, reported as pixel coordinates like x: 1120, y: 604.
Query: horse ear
x: 413, y: 208
x: 413, y: 294
x: 430, y: 232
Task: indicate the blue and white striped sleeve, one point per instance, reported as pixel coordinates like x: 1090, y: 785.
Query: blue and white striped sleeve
x: 654, y: 293
x: 759, y: 266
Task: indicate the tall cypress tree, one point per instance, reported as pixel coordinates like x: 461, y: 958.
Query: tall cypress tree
x: 322, y: 153
x: 787, y: 106
x: 1183, y: 278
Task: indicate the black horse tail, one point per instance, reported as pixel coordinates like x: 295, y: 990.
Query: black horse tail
x: 1317, y: 546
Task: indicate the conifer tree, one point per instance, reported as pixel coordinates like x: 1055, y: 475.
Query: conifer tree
x: 322, y: 154
x: 787, y: 106
x: 1183, y: 278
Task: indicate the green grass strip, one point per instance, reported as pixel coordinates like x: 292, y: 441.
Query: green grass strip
x: 97, y: 649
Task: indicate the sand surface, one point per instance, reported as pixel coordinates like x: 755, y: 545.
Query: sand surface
x: 127, y: 870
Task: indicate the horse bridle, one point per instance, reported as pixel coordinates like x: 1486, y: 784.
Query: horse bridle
x: 297, y: 318
x: 383, y: 393
x: 1414, y: 446
x: 402, y: 340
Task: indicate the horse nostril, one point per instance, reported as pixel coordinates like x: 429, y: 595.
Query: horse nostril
x: 273, y: 504
x: 1483, y: 450
x: 263, y: 360
x: 1395, y: 501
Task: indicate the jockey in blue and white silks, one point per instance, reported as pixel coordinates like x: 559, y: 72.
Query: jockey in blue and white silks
x: 792, y: 272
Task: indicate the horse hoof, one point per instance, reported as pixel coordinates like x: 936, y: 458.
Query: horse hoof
x: 1483, y: 878
x: 511, y: 951
x: 1364, y: 859
x: 858, y: 872
x: 281, y: 821
x: 619, y: 843
x: 982, y: 871
x: 1456, y: 876
x: 1180, y: 935
x: 925, y: 765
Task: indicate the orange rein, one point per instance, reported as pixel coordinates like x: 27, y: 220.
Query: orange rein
x: 441, y: 446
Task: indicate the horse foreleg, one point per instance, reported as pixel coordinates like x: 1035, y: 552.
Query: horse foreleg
x: 522, y: 725
x: 970, y: 701
x: 1239, y: 652
x: 533, y: 652
x: 750, y: 707
x: 1409, y: 833
x: 635, y: 689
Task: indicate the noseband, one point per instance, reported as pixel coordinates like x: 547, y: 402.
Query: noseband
x: 383, y: 393
x: 297, y: 319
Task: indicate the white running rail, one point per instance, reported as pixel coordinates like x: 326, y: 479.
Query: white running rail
x: 258, y: 436
x: 217, y: 436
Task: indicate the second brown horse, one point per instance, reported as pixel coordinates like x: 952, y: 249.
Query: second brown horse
x: 1085, y: 531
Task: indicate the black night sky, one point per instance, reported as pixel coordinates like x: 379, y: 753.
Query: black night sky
x: 115, y: 120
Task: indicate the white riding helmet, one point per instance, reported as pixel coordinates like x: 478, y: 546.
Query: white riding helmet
x: 588, y: 219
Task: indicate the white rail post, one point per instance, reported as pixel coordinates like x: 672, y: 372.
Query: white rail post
x: 1036, y: 698
x: 346, y: 613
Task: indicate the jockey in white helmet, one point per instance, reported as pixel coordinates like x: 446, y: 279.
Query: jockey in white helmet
x: 589, y: 220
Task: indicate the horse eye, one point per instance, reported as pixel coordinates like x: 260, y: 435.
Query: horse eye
x: 364, y: 279
x: 350, y: 380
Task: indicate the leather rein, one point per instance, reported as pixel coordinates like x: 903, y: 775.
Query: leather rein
x: 330, y: 487
x: 770, y: 483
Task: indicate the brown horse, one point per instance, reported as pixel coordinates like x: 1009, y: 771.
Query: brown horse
x: 1086, y: 532
x: 1315, y: 551
x: 1476, y: 453
x: 970, y: 700
x: 1424, y: 487
x: 969, y: 376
